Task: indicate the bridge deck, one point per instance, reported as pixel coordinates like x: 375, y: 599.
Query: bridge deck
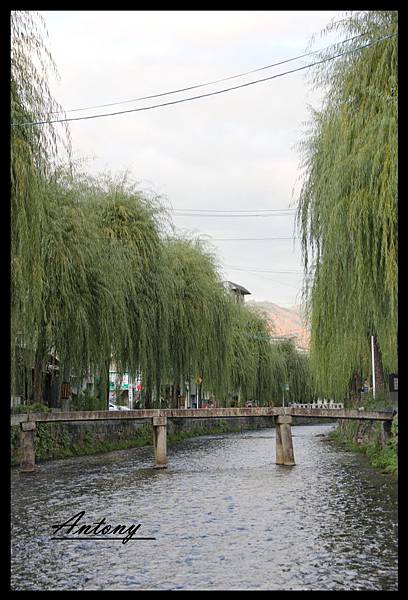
x: 259, y: 411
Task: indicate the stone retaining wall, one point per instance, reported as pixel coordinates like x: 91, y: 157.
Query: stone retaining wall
x: 121, y: 430
x: 101, y: 430
x: 62, y: 439
x: 59, y: 440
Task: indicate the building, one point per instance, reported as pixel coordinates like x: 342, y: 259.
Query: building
x: 123, y: 389
x: 237, y: 290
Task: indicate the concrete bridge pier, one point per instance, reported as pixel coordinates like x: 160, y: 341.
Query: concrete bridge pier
x: 160, y: 442
x: 27, y: 457
x: 284, y: 445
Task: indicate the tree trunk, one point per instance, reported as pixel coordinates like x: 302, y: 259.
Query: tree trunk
x: 378, y: 368
x: 355, y: 386
x: 148, y: 394
x: 175, y: 391
x: 38, y: 379
x: 39, y: 365
x: 104, y: 384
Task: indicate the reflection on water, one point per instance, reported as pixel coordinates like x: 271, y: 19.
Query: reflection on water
x: 223, y: 514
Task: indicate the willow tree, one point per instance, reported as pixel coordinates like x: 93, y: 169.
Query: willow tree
x: 128, y: 313
x: 198, y: 316
x: 347, y: 211
x: 297, y: 373
x: 34, y: 150
x: 254, y: 366
x: 67, y: 252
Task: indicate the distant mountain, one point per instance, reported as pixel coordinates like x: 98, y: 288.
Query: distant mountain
x: 284, y: 322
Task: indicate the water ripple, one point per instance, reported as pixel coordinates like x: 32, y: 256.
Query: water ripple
x: 223, y: 514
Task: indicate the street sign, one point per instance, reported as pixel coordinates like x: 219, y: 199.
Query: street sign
x: 285, y: 387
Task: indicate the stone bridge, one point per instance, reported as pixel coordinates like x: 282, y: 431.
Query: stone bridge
x: 283, y: 421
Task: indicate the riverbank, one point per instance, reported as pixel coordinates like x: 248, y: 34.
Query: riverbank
x: 64, y: 440
x: 368, y: 437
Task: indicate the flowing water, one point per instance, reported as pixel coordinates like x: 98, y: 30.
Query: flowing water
x: 223, y: 516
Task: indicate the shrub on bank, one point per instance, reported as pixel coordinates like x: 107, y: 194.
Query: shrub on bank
x: 52, y: 442
x: 366, y: 438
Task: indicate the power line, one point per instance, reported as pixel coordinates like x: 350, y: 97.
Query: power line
x: 211, y: 210
x: 269, y: 279
x: 280, y: 214
x: 203, y: 95
x: 284, y: 283
x: 192, y: 87
x: 252, y: 239
x: 263, y: 270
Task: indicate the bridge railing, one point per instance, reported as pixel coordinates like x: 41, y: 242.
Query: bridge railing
x: 284, y: 449
x: 318, y: 405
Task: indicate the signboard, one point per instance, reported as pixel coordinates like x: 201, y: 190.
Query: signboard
x: 65, y: 391
x: 116, y: 381
x: 285, y: 387
x: 393, y: 382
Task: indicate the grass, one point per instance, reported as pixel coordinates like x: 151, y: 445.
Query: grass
x: 380, y: 457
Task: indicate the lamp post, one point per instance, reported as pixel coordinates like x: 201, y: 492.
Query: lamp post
x: 373, y: 364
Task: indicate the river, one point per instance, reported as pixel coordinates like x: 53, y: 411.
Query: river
x: 224, y: 515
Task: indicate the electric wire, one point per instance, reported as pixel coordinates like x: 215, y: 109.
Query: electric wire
x: 196, y: 86
x: 251, y: 239
x: 234, y: 216
x: 154, y: 106
x: 254, y: 270
x: 211, y: 210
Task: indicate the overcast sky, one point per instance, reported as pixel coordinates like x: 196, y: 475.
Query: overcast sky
x: 232, y: 151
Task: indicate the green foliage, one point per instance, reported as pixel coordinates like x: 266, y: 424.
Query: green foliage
x: 51, y: 442
x: 394, y: 434
x: 380, y: 456
x: 32, y: 151
x: 30, y: 408
x: 382, y: 400
x: 86, y: 401
x: 297, y: 372
x: 347, y: 210
x: 383, y: 458
x: 97, y: 278
x: 199, y: 317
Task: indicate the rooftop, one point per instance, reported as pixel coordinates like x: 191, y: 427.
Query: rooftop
x: 239, y: 288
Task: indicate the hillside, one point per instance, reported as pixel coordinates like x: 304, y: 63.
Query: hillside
x: 285, y: 321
